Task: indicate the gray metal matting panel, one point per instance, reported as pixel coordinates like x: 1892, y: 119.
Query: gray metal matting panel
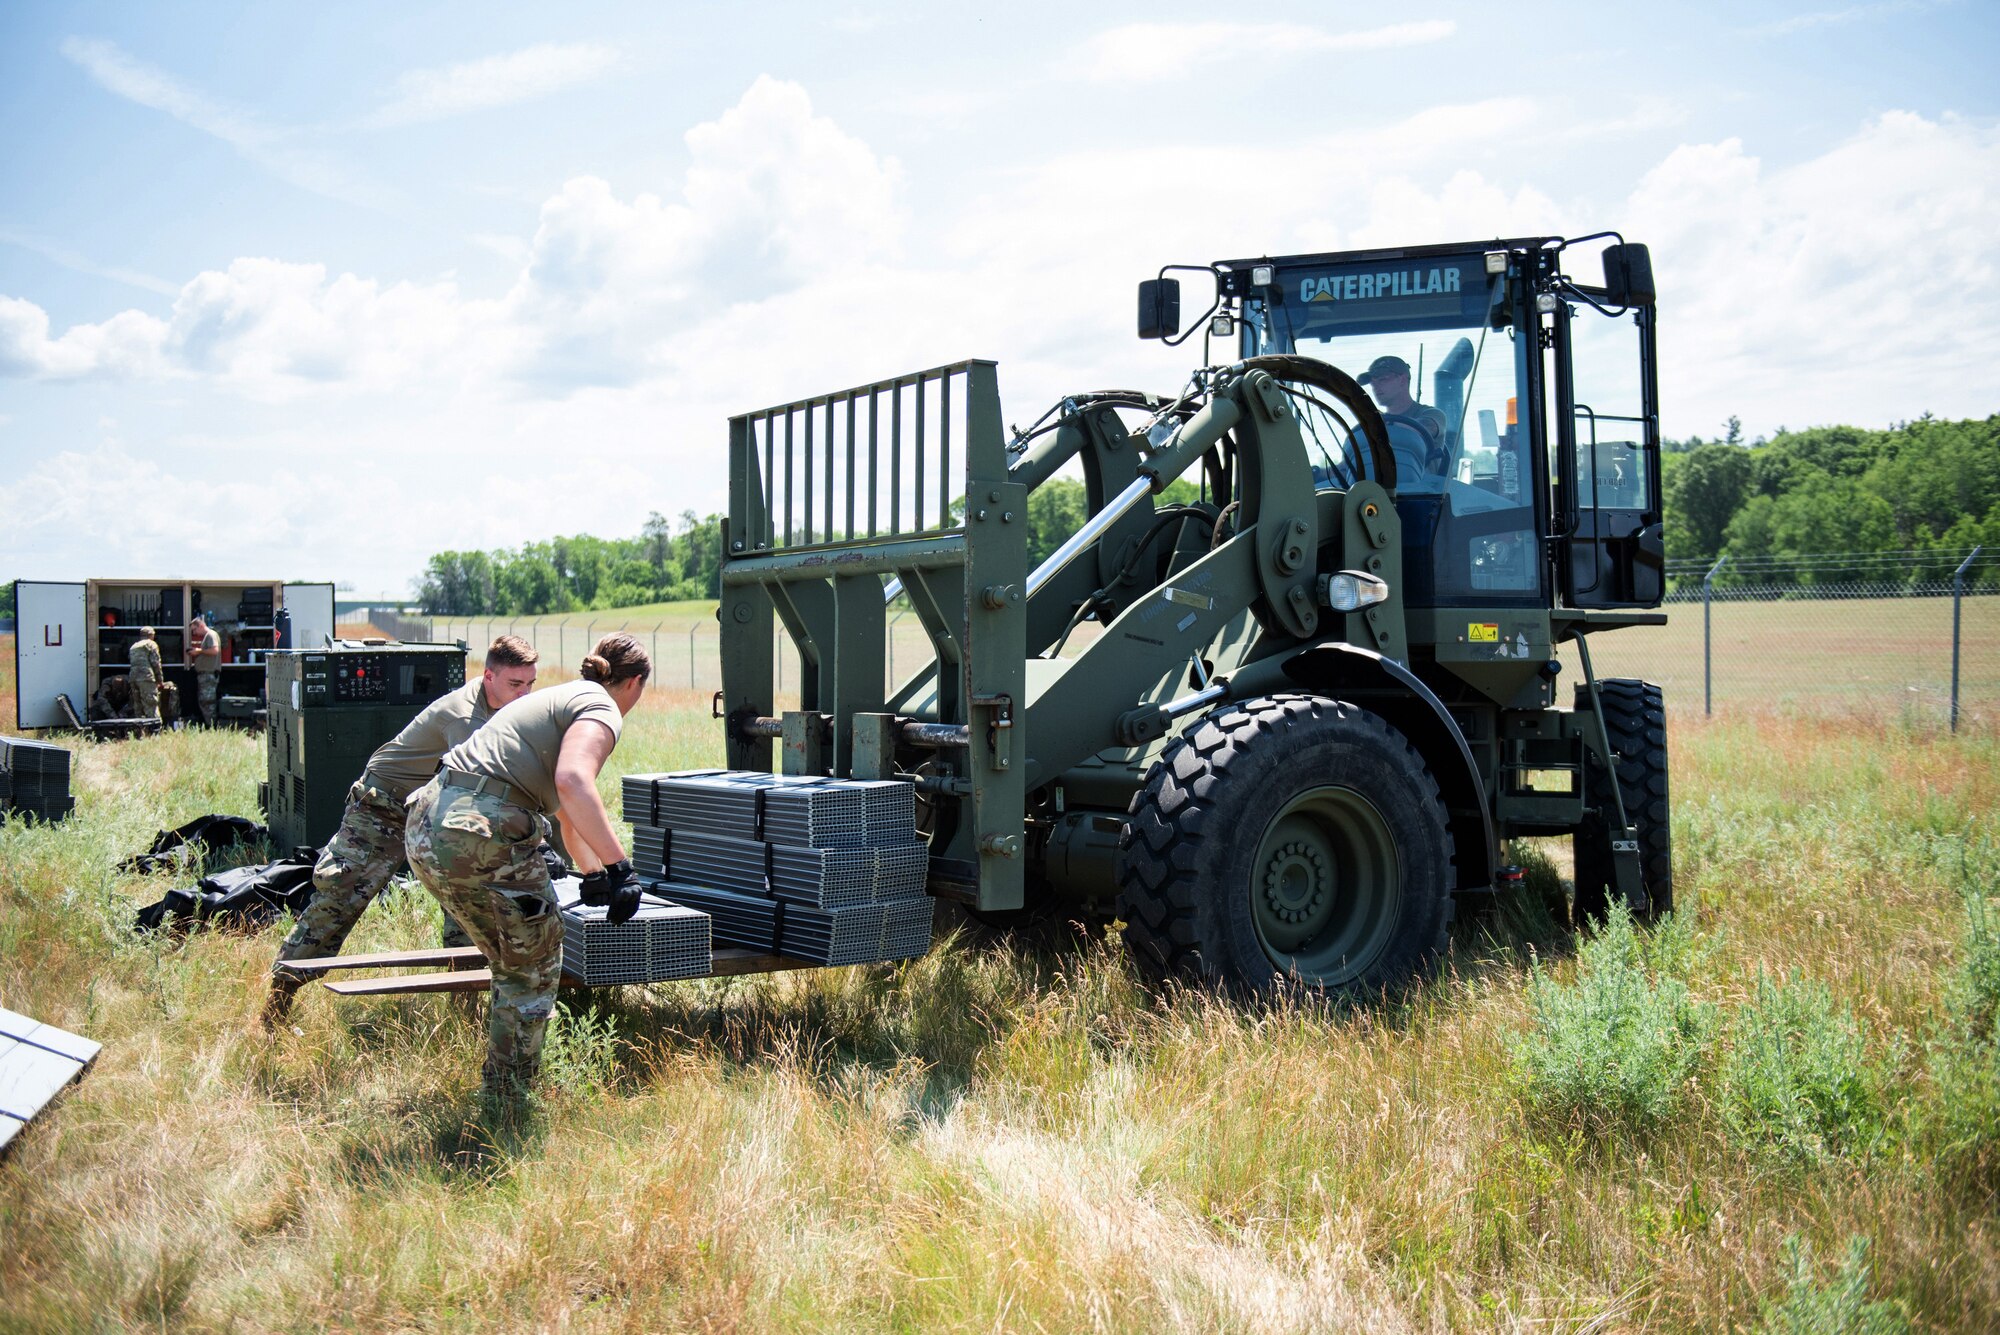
x: 797, y: 809
x: 661, y: 941
x: 30, y: 1076
x: 860, y: 934
x: 76, y: 1047
x: 821, y: 877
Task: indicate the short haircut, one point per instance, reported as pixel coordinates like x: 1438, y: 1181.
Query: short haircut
x: 511, y: 651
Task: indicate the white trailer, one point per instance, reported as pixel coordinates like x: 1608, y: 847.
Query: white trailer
x: 69, y: 636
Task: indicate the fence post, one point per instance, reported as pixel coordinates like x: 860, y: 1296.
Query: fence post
x: 1708, y: 640
x: 1957, y: 595
x: 691, y: 630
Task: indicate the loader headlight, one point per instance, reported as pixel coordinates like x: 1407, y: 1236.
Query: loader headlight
x: 1352, y: 590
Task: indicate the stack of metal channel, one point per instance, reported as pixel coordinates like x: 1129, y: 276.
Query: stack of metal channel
x: 661, y: 942
x: 37, y: 778
x: 830, y: 871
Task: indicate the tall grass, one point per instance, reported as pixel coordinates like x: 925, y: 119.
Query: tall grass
x: 1005, y: 1136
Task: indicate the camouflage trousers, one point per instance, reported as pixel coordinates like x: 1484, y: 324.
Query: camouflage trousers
x: 207, y: 694
x: 481, y: 857
x: 145, y: 697
x: 357, y: 862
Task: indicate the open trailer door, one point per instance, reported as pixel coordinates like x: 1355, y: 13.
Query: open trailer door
x: 311, y: 606
x: 49, y: 635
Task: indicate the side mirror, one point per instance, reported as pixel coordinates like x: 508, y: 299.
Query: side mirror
x: 1159, y: 307
x: 1628, y: 275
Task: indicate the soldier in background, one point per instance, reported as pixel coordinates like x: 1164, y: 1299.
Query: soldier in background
x: 146, y: 675
x: 113, y: 699
x: 204, y: 655
x: 368, y: 848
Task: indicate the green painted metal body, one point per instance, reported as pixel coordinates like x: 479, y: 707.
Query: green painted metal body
x: 1026, y: 749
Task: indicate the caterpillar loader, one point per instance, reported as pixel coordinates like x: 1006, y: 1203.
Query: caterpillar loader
x: 1281, y: 696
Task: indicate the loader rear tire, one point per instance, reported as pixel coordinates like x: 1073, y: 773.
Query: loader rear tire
x: 1635, y: 718
x: 1287, y: 840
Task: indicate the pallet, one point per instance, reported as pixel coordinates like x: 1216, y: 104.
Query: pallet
x: 728, y: 963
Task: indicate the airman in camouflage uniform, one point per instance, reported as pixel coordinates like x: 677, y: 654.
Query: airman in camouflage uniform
x: 204, y: 656
x: 358, y: 861
x: 474, y: 830
x: 368, y: 848
x: 146, y: 675
x: 478, y: 853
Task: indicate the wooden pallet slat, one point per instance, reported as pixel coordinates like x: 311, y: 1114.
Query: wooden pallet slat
x: 729, y: 962
x: 456, y: 980
x: 390, y: 959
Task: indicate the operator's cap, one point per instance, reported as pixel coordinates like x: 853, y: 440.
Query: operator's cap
x: 1384, y: 366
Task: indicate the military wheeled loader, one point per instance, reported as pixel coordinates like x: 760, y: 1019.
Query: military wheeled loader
x: 1280, y: 718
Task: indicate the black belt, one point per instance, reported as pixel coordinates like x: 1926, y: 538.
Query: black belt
x: 500, y: 788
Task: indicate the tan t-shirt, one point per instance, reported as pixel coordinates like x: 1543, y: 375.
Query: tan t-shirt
x: 208, y: 654
x: 406, y: 761
x: 521, y: 743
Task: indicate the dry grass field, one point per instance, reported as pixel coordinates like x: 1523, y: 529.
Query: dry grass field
x: 1681, y: 1130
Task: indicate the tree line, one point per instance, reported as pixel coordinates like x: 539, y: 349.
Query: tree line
x: 1925, y: 486
x: 669, y: 561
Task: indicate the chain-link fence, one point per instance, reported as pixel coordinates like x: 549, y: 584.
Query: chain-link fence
x: 1912, y: 634
x: 1909, y: 636
x: 686, y: 649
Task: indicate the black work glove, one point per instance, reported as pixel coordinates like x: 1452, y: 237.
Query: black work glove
x: 615, y: 889
x: 558, y: 869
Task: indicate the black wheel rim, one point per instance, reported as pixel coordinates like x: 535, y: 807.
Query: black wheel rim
x: 1325, y: 886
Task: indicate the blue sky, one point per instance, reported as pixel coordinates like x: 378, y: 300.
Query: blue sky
x: 316, y: 291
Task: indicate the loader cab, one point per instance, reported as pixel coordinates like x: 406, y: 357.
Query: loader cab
x: 1520, y: 406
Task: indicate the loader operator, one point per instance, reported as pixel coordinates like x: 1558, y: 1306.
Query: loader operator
x: 368, y: 848
x: 473, y: 832
x: 1388, y: 379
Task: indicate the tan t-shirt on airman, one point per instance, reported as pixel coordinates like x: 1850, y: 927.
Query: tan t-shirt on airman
x: 208, y: 654
x: 521, y: 743
x: 406, y: 761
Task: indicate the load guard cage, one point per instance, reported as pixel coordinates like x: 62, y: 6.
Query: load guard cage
x: 838, y: 505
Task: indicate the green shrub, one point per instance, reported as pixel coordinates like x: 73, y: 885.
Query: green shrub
x: 1798, y: 1079
x: 1838, y: 1308
x: 1620, y: 1045
x: 579, y: 1050
x: 1975, y: 996
x: 1962, y: 1121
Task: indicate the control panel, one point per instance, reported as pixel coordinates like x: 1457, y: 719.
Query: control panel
x: 389, y: 675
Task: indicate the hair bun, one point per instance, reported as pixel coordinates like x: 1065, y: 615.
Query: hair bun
x: 596, y: 667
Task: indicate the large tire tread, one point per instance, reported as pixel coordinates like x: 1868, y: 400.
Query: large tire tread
x: 1635, y: 718
x: 1166, y: 899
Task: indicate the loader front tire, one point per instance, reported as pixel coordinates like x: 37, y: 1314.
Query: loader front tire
x: 1287, y: 840
x: 1635, y: 719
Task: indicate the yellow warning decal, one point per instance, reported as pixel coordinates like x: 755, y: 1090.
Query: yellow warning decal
x: 1483, y: 632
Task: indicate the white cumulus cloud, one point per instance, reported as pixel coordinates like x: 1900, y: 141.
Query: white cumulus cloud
x: 495, y: 81
x: 1856, y: 285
